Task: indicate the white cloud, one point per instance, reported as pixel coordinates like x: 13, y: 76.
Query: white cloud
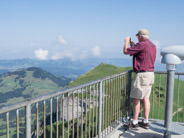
x: 62, y: 40
x: 157, y: 43
x: 65, y: 54
x: 96, y: 51
x: 73, y: 54
x: 41, y: 54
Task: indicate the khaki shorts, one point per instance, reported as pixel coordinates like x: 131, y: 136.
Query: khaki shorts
x: 142, y: 84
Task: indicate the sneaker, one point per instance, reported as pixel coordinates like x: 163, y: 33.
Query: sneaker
x: 144, y: 125
x: 130, y: 125
x: 135, y: 127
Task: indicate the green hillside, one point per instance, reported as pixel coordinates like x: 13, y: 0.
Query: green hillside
x: 28, y: 83
x: 102, y: 70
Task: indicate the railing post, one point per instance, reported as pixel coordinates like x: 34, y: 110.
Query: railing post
x: 28, y: 121
x: 100, y: 110
x: 129, y: 89
x: 169, y: 100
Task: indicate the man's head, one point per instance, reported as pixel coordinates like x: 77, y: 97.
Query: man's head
x: 142, y: 35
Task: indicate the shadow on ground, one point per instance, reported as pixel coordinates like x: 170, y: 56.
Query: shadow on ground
x: 137, y: 134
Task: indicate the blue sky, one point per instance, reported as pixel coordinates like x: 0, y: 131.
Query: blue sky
x: 80, y: 29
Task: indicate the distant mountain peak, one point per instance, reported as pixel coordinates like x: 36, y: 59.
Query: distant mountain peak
x: 33, y: 68
x: 100, y: 71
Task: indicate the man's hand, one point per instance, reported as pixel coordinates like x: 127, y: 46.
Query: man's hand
x: 126, y: 42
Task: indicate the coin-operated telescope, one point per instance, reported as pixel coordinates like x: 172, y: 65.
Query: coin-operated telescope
x: 171, y: 56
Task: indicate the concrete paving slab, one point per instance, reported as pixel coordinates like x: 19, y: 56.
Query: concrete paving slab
x: 156, y: 131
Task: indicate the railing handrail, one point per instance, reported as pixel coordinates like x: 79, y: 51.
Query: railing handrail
x: 63, y: 91
x: 164, y: 72
x: 55, y: 94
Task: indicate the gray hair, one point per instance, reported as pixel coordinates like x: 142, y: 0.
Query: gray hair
x: 145, y: 36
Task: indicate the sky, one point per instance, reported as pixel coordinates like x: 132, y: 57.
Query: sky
x: 80, y: 29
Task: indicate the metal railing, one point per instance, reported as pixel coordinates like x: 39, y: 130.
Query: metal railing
x: 93, y: 109
x: 158, y: 97
x: 90, y: 110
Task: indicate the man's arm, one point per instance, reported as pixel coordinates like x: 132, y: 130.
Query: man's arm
x: 126, y: 42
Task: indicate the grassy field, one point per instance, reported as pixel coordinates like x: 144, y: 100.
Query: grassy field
x: 98, y: 72
x: 27, y: 83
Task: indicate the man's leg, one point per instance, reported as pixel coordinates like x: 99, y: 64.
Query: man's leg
x: 146, y: 108
x: 136, y: 108
x: 145, y: 123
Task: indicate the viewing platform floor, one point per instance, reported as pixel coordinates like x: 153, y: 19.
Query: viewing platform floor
x: 156, y: 130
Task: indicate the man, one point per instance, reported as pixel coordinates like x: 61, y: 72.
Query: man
x: 144, y: 55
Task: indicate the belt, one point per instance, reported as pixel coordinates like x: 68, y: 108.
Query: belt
x: 142, y: 71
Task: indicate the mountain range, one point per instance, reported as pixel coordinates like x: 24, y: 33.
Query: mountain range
x: 63, y: 67
x: 72, y: 68
x: 28, y: 83
x: 16, y: 86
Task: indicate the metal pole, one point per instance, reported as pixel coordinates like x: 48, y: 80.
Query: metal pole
x: 128, y: 92
x: 28, y: 121
x: 100, y: 110
x: 169, y: 100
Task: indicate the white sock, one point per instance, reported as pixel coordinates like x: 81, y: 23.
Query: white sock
x: 145, y: 121
x: 134, y: 122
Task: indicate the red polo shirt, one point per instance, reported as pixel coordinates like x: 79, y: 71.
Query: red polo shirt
x: 144, y: 55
